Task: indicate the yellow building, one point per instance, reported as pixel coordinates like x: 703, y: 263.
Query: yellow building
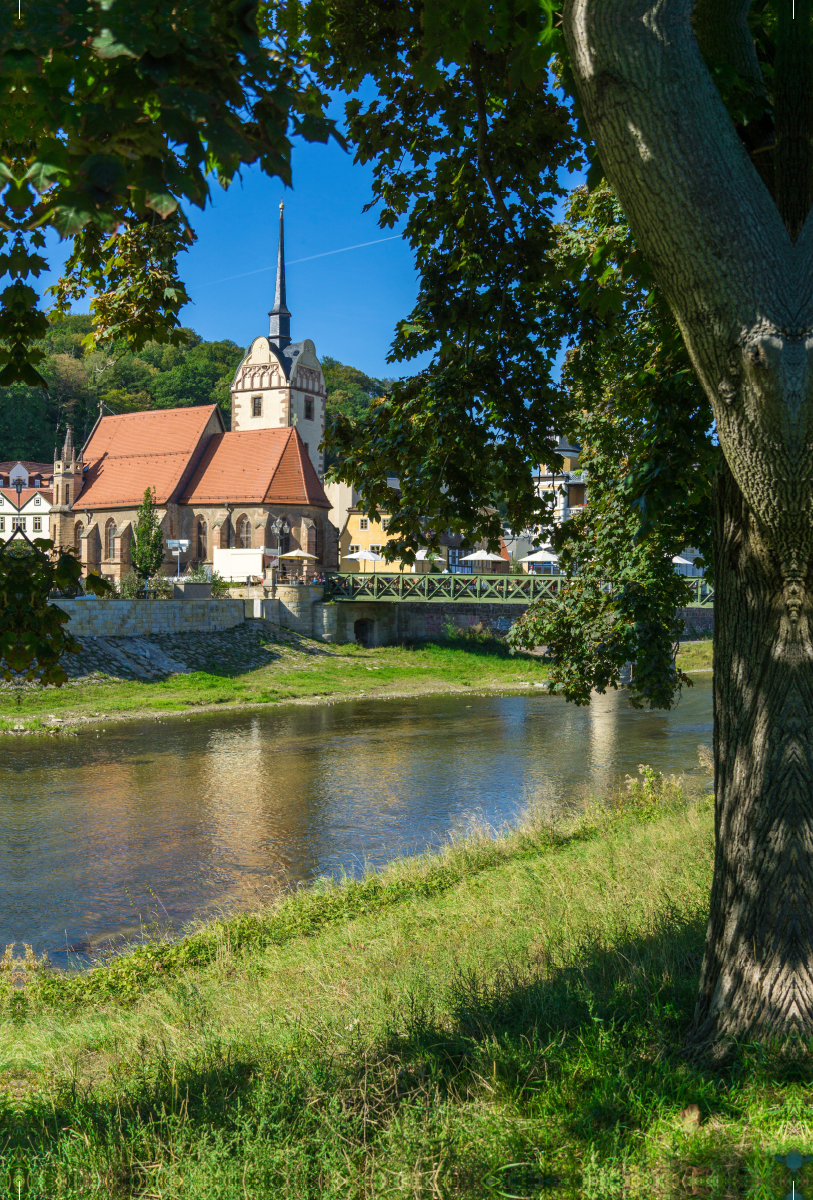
x: 359, y: 531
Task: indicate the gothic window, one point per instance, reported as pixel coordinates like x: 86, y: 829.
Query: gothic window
x: 256, y: 406
x: 309, y: 408
x: 67, y: 493
x: 244, y: 534
x: 78, y: 530
x: 200, y: 540
x: 109, y: 539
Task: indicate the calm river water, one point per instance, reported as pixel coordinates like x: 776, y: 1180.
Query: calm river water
x: 182, y: 818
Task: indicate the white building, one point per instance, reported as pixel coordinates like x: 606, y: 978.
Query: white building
x: 280, y: 382
x: 27, y: 506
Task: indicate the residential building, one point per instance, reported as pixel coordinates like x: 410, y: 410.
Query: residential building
x: 568, y: 486
x: 27, y: 507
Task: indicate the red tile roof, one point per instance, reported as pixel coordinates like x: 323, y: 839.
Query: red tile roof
x: 33, y: 468
x: 127, y: 454
x: 26, y: 494
x: 260, y: 466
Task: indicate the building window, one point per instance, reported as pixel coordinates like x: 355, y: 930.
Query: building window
x: 309, y: 408
x: 455, y: 565
x: 37, y: 524
x: 385, y: 522
x: 363, y: 524
x: 284, y: 543
x: 37, y: 500
x: 374, y: 549
x: 67, y: 493
x: 200, y: 540
x: 353, y: 549
x: 110, y: 539
x: 78, y: 530
x: 256, y: 406
x: 244, y: 534
x: 2, y: 524
x: 18, y: 523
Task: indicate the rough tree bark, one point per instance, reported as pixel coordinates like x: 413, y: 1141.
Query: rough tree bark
x: 736, y: 264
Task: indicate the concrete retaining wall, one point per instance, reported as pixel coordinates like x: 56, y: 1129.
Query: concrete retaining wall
x: 141, y: 618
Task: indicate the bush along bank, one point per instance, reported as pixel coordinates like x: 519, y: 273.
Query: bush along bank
x: 502, y: 1019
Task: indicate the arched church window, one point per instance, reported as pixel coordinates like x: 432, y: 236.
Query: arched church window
x: 244, y: 533
x: 78, y: 530
x: 110, y: 539
x: 200, y: 540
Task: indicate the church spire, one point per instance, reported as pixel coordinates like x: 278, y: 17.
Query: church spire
x: 280, y: 325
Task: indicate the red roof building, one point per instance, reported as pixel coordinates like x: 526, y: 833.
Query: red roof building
x: 212, y: 488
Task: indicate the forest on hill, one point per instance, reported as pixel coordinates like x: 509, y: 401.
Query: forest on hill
x: 33, y: 421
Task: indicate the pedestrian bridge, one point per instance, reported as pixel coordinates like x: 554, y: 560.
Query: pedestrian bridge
x: 467, y: 589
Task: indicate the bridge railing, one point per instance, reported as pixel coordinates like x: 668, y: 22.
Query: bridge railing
x: 465, y: 589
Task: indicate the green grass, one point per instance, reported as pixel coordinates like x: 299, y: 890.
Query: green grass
x: 302, y: 669
x: 503, y: 1019
x: 695, y: 656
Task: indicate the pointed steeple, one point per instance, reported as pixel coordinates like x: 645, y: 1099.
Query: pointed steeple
x: 280, y: 325
x: 68, y: 454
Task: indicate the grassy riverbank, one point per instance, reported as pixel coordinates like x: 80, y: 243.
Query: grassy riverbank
x: 500, y: 1020
x: 258, y: 667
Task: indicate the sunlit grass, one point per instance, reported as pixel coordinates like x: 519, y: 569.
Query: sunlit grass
x: 502, y: 1019
x: 303, y: 670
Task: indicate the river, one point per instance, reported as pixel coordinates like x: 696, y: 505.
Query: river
x: 173, y: 820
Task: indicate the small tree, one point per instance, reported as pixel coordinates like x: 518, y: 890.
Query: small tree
x: 148, y: 540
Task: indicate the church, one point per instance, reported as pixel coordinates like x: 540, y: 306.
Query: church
x: 214, y: 488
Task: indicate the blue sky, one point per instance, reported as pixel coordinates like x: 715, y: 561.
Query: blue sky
x: 348, y: 303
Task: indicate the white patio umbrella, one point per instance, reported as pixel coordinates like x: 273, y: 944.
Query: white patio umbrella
x: 299, y: 556
x: 680, y: 561
x: 364, y: 556
x: 483, y: 556
x: 541, y: 556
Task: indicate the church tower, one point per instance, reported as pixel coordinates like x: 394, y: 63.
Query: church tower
x: 279, y: 382
x: 67, y: 486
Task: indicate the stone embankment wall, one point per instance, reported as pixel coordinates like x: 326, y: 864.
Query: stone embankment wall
x: 302, y: 610
x: 144, y: 618
x: 698, y: 622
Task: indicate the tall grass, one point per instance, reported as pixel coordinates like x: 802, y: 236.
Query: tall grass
x: 503, y: 1019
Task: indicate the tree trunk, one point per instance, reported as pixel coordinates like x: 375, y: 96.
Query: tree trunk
x: 738, y: 273
x: 757, y: 975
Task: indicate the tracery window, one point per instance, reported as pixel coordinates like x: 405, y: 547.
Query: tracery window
x: 200, y: 539
x: 244, y: 533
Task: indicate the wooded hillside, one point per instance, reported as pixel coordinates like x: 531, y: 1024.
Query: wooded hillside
x: 33, y: 422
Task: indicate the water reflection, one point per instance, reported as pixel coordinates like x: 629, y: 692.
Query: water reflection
x: 183, y: 818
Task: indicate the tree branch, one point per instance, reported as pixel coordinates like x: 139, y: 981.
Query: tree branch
x: 483, y: 156
x: 794, y: 116
x: 721, y: 28
x: 708, y: 227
